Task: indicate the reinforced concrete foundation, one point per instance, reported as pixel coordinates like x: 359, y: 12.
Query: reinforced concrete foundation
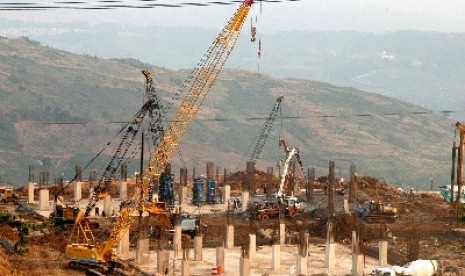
x: 330, y: 255
x: 301, y: 265
x: 30, y: 192
x: 177, y: 240
x: 142, y: 251
x: 77, y: 191
x: 244, y: 266
x: 227, y: 193
x: 198, y: 244
x: 44, y: 198
x: 252, y: 246
x: 220, y: 258
x: 185, y: 267
x: 229, y: 236
x: 161, y: 261
x: 245, y: 200
x: 275, y: 257
x: 123, y: 247
x: 282, y: 233
x: 383, y: 251
x: 357, y: 265
x: 123, y: 190
x: 107, y: 206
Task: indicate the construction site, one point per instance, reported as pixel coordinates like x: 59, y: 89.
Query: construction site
x: 213, y: 221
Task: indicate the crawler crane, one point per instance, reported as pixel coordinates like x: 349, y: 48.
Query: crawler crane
x: 84, y: 251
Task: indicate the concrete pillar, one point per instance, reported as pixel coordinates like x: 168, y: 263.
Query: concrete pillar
x: 282, y: 233
x: 275, y: 256
x: 30, y: 193
x: 383, y: 251
x: 357, y: 265
x: 137, y: 194
x: 185, y: 264
x: 220, y: 258
x: 107, y: 206
x: 229, y: 236
x: 303, y: 253
x: 44, y: 199
x: 302, y: 265
x: 183, y: 186
x: 227, y: 193
x: 244, y: 266
x: 161, y: 261
x: 310, y: 185
x: 269, y: 183
x: 177, y: 240
x: 330, y: 255
x: 142, y: 251
x: 123, y: 247
x: 245, y: 200
x: 60, y: 201
x: 252, y: 246
x: 77, y: 191
x: 346, y: 206
x: 123, y: 190
x: 198, y: 243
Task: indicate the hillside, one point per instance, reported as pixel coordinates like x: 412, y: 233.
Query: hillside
x: 59, y: 109
x: 423, y: 68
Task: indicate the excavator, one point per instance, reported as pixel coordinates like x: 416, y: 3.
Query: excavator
x: 84, y: 251
x: 377, y: 212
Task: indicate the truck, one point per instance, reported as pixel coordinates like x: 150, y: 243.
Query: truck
x: 414, y: 268
x: 7, y: 194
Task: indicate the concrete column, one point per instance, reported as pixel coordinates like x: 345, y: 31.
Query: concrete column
x: 357, y: 265
x: 60, y: 201
x: 227, y: 193
x: 244, y: 266
x: 30, y: 193
x: 183, y: 186
x: 137, y: 194
x: 275, y: 256
x: 44, y: 199
x: 310, y: 185
x: 252, y: 246
x: 346, y: 206
x: 123, y: 247
x: 185, y: 264
x: 269, y: 182
x: 77, y: 191
x: 220, y: 258
x: 282, y: 233
x: 177, y: 240
x: 302, y: 265
x: 229, y: 236
x: 161, y: 261
x: 107, y: 206
x: 198, y: 243
x: 245, y: 200
x: 330, y: 255
x: 123, y: 190
x: 303, y: 253
x: 383, y: 251
x: 142, y: 251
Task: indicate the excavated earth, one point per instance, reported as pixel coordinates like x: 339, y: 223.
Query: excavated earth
x: 426, y: 228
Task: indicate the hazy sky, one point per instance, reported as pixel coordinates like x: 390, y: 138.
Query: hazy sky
x: 306, y: 15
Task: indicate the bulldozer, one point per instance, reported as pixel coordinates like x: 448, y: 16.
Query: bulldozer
x: 378, y: 213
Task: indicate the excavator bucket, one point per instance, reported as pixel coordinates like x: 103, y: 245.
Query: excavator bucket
x: 160, y: 213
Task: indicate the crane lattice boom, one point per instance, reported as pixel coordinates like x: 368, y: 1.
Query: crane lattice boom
x: 197, y: 86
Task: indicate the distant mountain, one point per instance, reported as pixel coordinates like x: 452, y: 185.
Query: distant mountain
x: 423, y: 68
x: 60, y: 109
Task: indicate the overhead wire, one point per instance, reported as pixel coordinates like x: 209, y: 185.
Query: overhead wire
x: 113, y: 4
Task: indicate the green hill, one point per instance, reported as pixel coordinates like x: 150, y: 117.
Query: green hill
x: 60, y: 109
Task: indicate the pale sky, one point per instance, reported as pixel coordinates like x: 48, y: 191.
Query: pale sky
x: 306, y: 15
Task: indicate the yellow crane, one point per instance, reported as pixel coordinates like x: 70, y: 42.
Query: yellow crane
x: 83, y: 250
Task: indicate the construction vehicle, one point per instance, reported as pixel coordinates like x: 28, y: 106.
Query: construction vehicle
x: 7, y: 194
x: 292, y: 157
x: 415, y: 268
x: 375, y: 212
x: 84, y: 251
